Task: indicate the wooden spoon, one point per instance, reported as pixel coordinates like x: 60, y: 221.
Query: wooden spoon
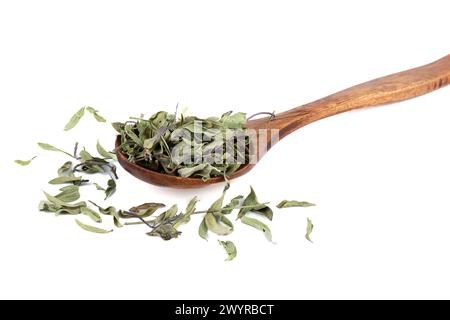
x: 393, y: 88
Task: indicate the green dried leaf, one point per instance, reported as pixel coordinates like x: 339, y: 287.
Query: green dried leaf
x: 293, y: 203
x: 91, y: 228
x: 107, y: 211
x: 166, y: 215
x: 85, y: 156
x: 63, y: 180
x: 68, y: 211
x: 24, y: 162
x: 252, y: 204
x: 49, y: 147
x: 110, y: 189
x: 226, y: 222
x: 75, y: 119
x: 94, y: 112
x: 61, y: 203
x: 309, y: 229
x: 186, y: 217
x: 106, y: 154
x: 189, y: 171
x: 133, y: 136
x: 230, y: 248
x: 66, y: 169
x: 215, y: 225
x: 99, y: 187
x: 258, y: 225
x: 110, y: 211
x: 118, y: 126
x: 91, y: 214
x: 234, y: 203
x: 69, y: 194
x: 165, y: 231
x: 48, y: 206
x: 235, y: 121
x: 203, y: 230
x: 144, y: 210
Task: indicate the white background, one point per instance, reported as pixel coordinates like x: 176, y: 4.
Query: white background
x: 380, y: 177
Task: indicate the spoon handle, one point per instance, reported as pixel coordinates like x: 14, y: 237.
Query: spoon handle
x: 393, y: 88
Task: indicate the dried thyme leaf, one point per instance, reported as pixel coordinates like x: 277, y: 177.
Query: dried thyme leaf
x: 91, y: 228
x: 110, y: 189
x: 106, y: 154
x: 69, y: 194
x: 216, y: 225
x: 235, y: 121
x: 186, y: 217
x: 49, y: 147
x: 226, y: 222
x: 99, y: 187
x: 146, y: 206
x: 66, y: 169
x: 63, y: 180
x: 61, y: 203
x: 214, y: 218
x: 74, y: 119
x: 167, y: 215
x: 258, y: 225
x: 234, y: 203
x: 309, y: 229
x: 165, y: 231
x: 91, y: 214
x: 252, y: 204
x: 293, y: 203
x: 24, y: 162
x: 203, y: 230
x: 142, y: 211
x: 189, y: 171
x: 230, y: 249
x: 110, y: 211
x: 94, y: 112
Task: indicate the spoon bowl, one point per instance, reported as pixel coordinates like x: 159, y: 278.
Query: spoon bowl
x: 389, y: 89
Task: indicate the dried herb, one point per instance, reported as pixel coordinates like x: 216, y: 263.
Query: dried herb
x: 309, y: 229
x: 95, y: 114
x: 63, y: 180
x: 186, y: 146
x: 230, y: 248
x: 234, y: 203
x: 258, y: 225
x: 110, y: 189
x: 186, y: 217
x: 66, y: 169
x: 289, y: 204
x: 105, y: 154
x: 79, y: 114
x: 91, y: 228
x: 24, y: 162
x: 91, y: 214
x: 99, y: 187
x: 157, y: 143
x: 61, y: 203
x: 203, y: 230
x: 252, y: 204
x: 69, y: 194
x: 74, y: 119
x: 49, y: 147
x: 110, y: 211
x: 165, y: 231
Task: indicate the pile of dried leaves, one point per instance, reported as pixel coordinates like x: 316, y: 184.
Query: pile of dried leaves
x: 186, y: 146
x: 149, y: 142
